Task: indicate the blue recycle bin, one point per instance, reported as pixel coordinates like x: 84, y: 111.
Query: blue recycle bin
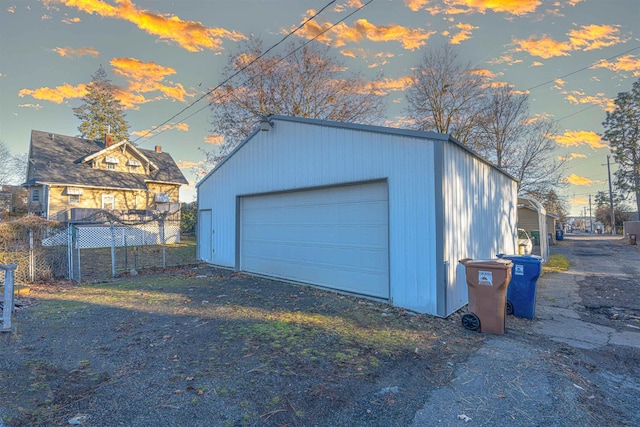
x: 559, y: 234
x: 521, y: 292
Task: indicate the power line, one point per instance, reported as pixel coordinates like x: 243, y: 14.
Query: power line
x: 582, y: 69
x: 575, y: 113
x: 299, y: 27
x: 274, y: 64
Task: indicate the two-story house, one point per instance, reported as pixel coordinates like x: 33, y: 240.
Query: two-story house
x: 69, y: 176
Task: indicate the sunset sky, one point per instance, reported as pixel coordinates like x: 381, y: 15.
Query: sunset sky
x: 573, y: 57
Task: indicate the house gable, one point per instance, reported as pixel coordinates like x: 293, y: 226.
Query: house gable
x: 121, y: 157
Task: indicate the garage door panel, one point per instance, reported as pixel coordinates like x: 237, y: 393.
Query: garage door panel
x: 334, y: 237
x: 328, y: 234
x: 322, y: 255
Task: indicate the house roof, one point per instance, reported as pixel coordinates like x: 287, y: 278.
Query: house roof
x: 367, y: 128
x: 60, y: 159
x: 128, y: 145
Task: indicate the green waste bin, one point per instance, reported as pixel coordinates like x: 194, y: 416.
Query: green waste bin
x: 535, y: 236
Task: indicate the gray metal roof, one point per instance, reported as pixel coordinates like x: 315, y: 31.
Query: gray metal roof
x: 58, y: 159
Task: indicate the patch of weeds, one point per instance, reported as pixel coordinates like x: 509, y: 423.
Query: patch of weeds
x: 557, y: 262
x: 345, y: 356
x: 274, y: 402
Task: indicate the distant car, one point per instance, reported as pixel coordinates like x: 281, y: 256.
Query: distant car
x: 524, y: 242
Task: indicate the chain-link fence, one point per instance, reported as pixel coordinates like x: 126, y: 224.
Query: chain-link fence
x: 21, y: 244
x: 97, y: 248
x: 105, y: 250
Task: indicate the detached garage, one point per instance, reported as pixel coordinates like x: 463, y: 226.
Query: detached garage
x: 380, y: 212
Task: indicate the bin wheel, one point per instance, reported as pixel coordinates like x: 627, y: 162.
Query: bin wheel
x: 470, y: 321
x: 508, y: 307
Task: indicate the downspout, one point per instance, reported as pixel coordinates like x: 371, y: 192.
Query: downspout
x: 45, y: 188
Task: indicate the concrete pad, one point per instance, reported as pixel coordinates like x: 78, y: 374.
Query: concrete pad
x: 628, y: 338
x: 544, y: 312
x: 574, y: 332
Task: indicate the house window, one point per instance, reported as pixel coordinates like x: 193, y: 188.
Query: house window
x: 35, y: 195
x: 108, y: 201
x: 74, y: 199
x: 111, y: 162
x: 163, y: 198
x: 133, y: 165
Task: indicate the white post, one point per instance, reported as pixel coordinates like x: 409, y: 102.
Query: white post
x: 7, y: 309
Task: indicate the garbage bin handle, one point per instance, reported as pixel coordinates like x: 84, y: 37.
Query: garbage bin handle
x: 463, y: 261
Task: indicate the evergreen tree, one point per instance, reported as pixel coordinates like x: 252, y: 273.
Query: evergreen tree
x: 101, y: 112
x: 622, y: 130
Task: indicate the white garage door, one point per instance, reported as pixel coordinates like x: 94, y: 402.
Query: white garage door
x: 335, y: 237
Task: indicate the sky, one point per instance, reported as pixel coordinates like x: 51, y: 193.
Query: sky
x: 572, y: 57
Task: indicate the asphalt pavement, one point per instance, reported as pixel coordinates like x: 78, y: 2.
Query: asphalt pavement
x: 558, y: 302
x: 557, y: 369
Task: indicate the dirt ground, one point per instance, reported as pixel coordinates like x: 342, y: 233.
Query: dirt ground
x: 207, y: 347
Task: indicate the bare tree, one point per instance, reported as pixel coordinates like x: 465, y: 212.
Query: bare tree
x: 501, y: 127
x: 307, y: 82
x: 12, y: 167
x: 518, y: 143
x: 446, y: 96
x: 553, y: 204
x: 603, y: 209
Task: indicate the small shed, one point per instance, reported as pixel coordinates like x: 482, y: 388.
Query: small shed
x: 379, y: 212
x: 532, y: 216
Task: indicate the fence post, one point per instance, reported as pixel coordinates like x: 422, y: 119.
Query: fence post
x: 162, y: 241
x: 32, y: 258
x: 78, y: 247
x: 70, y: 251
x: 113, y: 249
x: 7, y: 310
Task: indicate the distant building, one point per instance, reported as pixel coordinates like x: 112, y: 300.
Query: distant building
x: 68, y: 177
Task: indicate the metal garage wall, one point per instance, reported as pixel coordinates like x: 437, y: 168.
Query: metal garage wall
x: 297, y: 154
x: 480, y: 217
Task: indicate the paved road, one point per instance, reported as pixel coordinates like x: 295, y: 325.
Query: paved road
x: 559, y: 369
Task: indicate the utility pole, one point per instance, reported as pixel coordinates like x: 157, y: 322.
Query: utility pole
x: 590, y: 222
x: 613, y: 220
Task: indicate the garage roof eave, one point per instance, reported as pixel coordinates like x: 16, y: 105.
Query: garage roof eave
x: 223, y: 161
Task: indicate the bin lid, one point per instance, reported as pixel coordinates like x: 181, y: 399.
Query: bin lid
x: 496, y: 264
x: 522, y: 259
